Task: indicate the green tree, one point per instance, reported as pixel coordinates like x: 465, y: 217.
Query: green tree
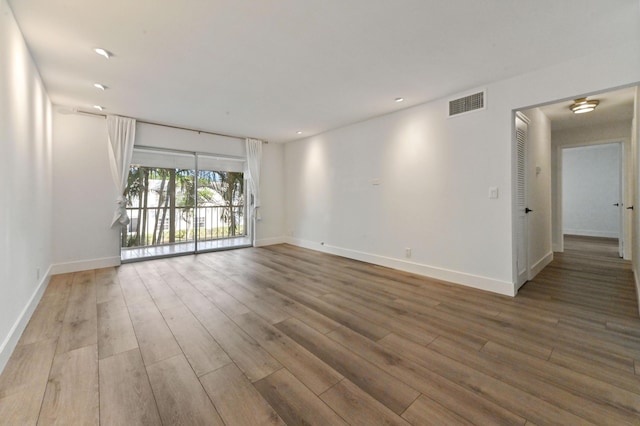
x: 136, y: 193
x: 230, y: 187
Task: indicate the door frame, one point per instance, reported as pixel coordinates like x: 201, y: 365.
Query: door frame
x: 515, y: 211
x: 625, y: 194
x: 197, y: 240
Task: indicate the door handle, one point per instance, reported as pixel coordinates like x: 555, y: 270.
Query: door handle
x: 616, y: 204
x: 630, y: 208
x: 527, y: 210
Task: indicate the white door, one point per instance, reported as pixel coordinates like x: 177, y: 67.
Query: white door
x: 522, y: 229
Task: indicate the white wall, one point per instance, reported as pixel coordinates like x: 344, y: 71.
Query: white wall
x: 434, y: 175
x: 590, y: 187
x: 25, y: 184
x: 539, y: 190
x: 270, y: 228
x: 406, y: 180
x: 85, y: 196
x: 619, y: 130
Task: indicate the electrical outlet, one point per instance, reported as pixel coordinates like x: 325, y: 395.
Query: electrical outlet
x: 407, y: 252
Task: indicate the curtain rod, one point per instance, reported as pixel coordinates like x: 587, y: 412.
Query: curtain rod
x: 97, y: 114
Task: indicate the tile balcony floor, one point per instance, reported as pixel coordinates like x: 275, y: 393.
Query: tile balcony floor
x: 133, y: 254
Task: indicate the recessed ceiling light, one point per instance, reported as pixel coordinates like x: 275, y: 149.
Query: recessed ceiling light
x: 299, y: 132
x: 102, y: 52
x: 100, y: 86
x: 399, y: 99
x: 98, y: 107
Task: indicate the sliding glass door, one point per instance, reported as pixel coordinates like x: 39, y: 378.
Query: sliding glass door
x: 181, y: 202
x: 221, y: 202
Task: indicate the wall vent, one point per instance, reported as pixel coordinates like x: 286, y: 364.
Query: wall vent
x: 473, y: 102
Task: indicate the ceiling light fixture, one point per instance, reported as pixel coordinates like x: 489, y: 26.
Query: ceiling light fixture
x: 102, y: 52
x: 98, y: 107
x: 399, y: 99
x: 582, y: 105
x: 99, y: 86
x: 299, y: 132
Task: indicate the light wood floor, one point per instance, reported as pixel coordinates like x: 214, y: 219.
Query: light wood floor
x: 283, y: 335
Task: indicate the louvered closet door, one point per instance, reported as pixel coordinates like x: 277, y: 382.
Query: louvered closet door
x: 521, y: 201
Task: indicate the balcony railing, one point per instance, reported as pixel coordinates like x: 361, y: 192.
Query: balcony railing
x: 151, y: 226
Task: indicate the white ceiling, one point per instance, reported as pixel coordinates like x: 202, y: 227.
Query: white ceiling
x: 268, y: 68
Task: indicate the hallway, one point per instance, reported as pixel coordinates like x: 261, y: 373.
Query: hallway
x: 590, y: 276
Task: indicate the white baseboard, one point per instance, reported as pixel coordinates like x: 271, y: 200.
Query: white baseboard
x: 9, y: 344
x: 556, y: 248
x: 270, y: 241
x: 540, y: 264
x: 590, y: 233
x: 84, y: 265
x: 469, y: 280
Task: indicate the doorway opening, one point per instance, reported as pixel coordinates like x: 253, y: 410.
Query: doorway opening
x: 552, y: 130
x: 591, y: 188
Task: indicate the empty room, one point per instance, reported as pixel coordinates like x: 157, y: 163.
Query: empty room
x: 319, y: 213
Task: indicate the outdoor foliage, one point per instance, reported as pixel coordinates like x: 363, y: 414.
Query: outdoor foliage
x: 162, y: 205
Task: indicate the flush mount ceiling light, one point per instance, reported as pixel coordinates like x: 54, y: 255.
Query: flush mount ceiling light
x: 399, y: 99
x: 98, y: 107
x: 582, y: 105
x: 100, y: 86
x: 102, y: 52
x: 299, y: 132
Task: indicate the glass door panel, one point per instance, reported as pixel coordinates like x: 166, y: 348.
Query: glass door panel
x: 221, y: 203
x: 160, y: 204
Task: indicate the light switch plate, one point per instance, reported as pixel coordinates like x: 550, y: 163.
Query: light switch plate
x: 493, y: 192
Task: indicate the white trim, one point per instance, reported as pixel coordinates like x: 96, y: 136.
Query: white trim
x: 589, y: 143
x: 523, y: 117
x: 9, y: 344
x: 270, y: 241
x: 462, y: 278
x: 540, y: 265
x: 85, y: 265
x: 557, y: 218
x: 161, y: 150
x: 518, y: 115
x: 556, y: 204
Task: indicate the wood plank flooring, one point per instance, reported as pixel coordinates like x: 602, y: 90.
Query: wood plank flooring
x: 282, y: 335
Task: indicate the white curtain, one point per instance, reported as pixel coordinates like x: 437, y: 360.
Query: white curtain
x: 254, y: 159
x: 121, y: 132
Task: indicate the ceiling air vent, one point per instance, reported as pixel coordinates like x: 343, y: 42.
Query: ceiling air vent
x: 473, y: 102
